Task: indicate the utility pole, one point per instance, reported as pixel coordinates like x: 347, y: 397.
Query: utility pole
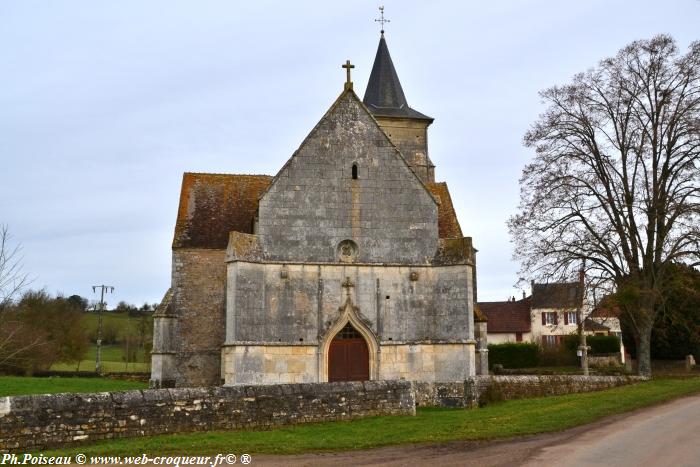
x: 98, y: 355
x: 583, y: 347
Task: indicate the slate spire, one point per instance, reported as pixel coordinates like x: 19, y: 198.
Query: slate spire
x: 384, y: 95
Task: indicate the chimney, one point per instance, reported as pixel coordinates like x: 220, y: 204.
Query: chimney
x: 523, y: 295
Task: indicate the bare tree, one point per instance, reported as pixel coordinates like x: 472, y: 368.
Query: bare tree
x: 12, y: 278
x: 616, y: 178
x: 16, y: 339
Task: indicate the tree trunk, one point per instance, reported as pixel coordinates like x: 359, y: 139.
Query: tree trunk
x: 644, y: 351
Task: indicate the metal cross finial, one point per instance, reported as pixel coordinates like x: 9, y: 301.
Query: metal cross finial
x: 348, y: 66
x: 382, y: 20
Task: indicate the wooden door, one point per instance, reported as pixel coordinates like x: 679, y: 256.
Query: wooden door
x: 348, y: 356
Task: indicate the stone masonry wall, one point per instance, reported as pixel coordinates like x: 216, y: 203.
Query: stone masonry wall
x: 314, y: 203
x: 199, y: 301
x: 484, y: 389
x: 293, y: 303
x: 427, y: 362
x: 42, y: 421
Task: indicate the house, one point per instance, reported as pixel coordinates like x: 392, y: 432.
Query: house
x: 550, y: 313
x: 545, y: 317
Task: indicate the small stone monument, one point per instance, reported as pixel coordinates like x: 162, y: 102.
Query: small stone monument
x: 689, y: 362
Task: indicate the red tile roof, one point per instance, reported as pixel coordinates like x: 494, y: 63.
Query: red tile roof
x: 606, y: 312
x: 507, y: 316
x: 212, y: 205
x: 448, y: 225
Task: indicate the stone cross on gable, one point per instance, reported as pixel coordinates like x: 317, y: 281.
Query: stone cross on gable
x: 348, y: 66
x: 347, y: 284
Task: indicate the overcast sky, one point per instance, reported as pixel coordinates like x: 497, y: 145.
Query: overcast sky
x: 103, y: 106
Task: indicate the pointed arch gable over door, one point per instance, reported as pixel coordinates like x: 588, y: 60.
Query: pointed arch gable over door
x: 360, y: 346
x: 348, y: 356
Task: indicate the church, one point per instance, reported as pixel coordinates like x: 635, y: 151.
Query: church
x: 349, y: 264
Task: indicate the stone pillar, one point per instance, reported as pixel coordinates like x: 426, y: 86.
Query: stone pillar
x: 689, y: 362
x: 482, y: 351
x: 163, y: 367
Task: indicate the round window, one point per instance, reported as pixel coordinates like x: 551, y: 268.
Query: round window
x: 347, y: 251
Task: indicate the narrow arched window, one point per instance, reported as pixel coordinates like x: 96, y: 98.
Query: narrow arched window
x: 354, y: 171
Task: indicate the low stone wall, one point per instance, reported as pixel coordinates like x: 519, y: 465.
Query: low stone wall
x: 484, y: 389
x: 601, y: 361
x: 480, y: 390
x: 445, y: 394
x: 42, y: 421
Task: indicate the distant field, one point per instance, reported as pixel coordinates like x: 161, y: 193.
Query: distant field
x: 120, y: 320
x: 112, y: 355
x: 20, y: 385
x: 112, y: 361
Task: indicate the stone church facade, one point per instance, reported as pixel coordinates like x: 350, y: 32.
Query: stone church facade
x: 348, y: 264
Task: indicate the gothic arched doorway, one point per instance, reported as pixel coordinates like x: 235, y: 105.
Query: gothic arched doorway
x: 348, y: 356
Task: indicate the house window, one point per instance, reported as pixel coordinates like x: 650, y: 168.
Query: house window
x: 354, y: 171
x: 549, y: 318
x: 549, y: 341
x: 571, y: 317
x: 518, y: 337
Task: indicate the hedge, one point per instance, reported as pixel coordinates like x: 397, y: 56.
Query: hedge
x: 600, y: 345
x: 603, y: 344
x: 514, y: 355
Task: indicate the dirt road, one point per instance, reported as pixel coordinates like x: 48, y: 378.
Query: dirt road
x: 665, y: 435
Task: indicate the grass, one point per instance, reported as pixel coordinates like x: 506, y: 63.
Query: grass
x: 20, y: 385
x: 112, y: 361
x: 507, y: 419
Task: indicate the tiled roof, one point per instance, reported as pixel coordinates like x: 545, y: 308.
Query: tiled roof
x: 479, y: 316
x: 555, y: 295
x: 590, y: 325
x: 606, y: 312
x: 507, y: 316
x: 212, y: 205
x: 448, y: 225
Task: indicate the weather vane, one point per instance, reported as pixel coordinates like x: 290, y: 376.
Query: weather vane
x: 382, y: 20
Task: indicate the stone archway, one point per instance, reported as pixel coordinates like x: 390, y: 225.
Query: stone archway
x: 359, y: 330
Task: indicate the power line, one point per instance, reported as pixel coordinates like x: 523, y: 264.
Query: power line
x: 98, y: 355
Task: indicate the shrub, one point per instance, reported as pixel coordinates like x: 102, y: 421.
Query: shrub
x: 514, y: 355
x: 558, y: 356
x: 603, y: 344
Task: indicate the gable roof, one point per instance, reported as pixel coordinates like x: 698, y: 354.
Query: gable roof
x: 507, y: 316
x: 591, y: 325
x: 384, y: 95
x: 555, y: 295
x: 448, y: 224
x: 212, y: 205
x: 348, y: 92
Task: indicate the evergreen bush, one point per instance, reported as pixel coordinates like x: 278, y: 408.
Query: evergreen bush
x: 514, y: 355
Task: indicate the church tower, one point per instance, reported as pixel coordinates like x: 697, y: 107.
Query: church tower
x: 407, y: 128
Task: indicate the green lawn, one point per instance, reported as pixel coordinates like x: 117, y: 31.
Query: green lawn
x: 112, y: 361
x: 512, y: 418
x: 17, y: 385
